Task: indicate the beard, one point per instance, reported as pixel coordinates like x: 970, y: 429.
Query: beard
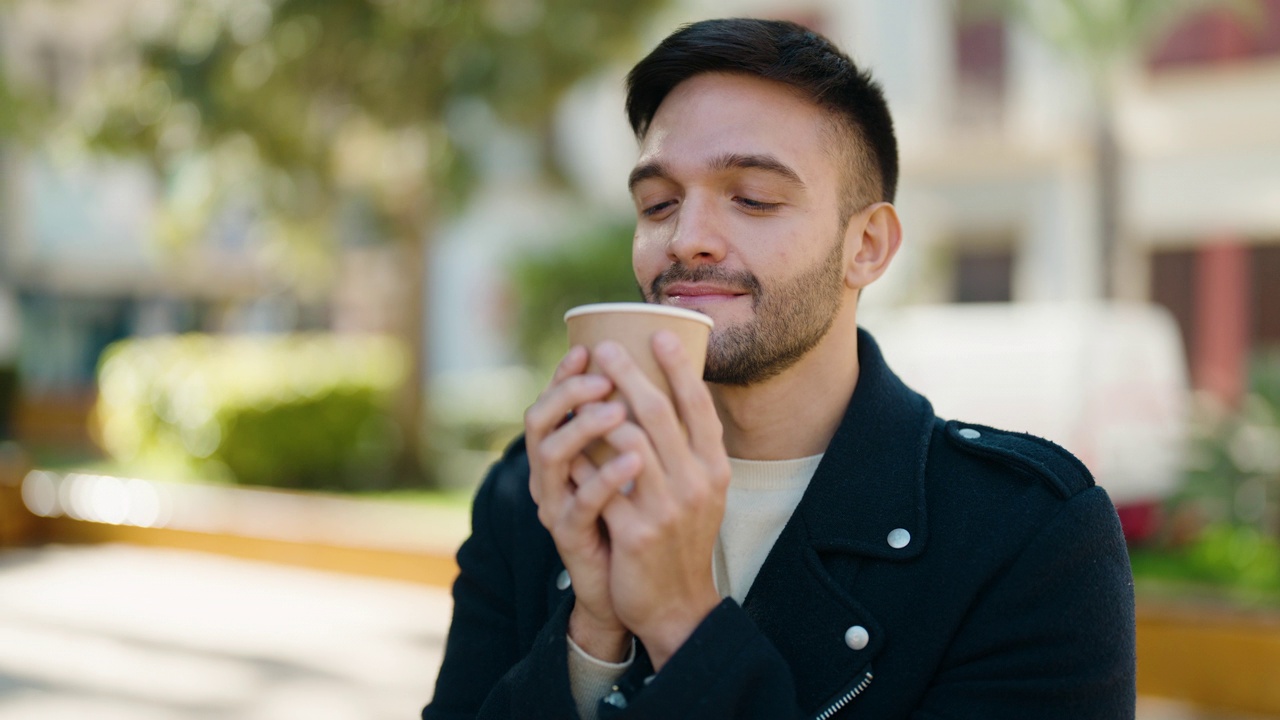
x: 790, y: 318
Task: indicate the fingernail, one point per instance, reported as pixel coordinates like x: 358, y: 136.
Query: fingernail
x: 608, y: 350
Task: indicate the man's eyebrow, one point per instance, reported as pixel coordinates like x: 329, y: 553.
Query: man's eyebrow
x: 646, y: 171
x: 728, y: 161
x: 768, y: 163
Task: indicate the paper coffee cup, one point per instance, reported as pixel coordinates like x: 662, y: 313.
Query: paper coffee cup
x: 632, y: 326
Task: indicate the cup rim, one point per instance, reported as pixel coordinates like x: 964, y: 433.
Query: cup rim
x: 639, y: 307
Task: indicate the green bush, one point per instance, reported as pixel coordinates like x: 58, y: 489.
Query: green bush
x: 1236, y: 555
x: 297, y: 411
x: 1224, y: 521
x: 475, y: 415
x: 595, y: 267
x: 1231, y: 563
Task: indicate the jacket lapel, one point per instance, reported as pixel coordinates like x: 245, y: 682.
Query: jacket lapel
x: 866, y: 500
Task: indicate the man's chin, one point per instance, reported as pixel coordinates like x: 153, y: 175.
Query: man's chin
x: 723, y: 377
x: 732, y: 315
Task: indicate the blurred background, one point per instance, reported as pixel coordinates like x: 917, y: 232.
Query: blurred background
x: 279, y: 277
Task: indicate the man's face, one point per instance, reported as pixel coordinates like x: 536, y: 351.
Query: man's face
x: 737, y: 193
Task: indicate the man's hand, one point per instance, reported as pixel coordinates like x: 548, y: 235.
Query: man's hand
x: 664, y: 531
x: 571, y: 493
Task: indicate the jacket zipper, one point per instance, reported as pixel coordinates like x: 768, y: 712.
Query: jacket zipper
x: 848, y: 697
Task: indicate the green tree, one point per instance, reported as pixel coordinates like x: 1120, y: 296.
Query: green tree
x: 321, y: 111
x: 1102, y: 37
x: 595, y: 267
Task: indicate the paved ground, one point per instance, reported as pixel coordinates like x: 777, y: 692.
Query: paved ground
x: 122, y: 633
x: 117, y: 632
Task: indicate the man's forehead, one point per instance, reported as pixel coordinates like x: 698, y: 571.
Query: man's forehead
x: 715, y: 83
x: 721, y: 121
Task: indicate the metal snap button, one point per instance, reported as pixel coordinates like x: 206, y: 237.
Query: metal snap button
x: 856, y: 637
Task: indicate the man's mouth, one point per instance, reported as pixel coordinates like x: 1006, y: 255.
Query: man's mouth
x: 700, y: 294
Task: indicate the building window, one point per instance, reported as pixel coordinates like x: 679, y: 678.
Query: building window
x: 981, y: 64
x: 1173, y: 277
x: 1220, y: 35
x: 1175, y: 284
x: 1264, y: 266
x: 983, y: 275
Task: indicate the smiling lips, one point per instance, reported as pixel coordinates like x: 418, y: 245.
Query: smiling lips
x: 699, y: 294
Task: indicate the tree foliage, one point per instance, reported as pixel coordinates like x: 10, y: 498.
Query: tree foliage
x: 314, y: 120
x: 1102, y: 33
x: 317, y: 106
x: 593, y: 268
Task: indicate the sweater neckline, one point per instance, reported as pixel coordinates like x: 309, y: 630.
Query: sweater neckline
x: 773, y: 474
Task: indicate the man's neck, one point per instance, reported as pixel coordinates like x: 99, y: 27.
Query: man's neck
x: 795, y: 413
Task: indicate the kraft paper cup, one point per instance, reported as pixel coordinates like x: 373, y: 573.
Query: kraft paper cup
x: 632, y: 326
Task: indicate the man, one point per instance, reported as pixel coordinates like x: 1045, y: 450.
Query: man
x: 816, y: 544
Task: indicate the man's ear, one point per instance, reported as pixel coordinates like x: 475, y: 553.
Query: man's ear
x: 873, y: 238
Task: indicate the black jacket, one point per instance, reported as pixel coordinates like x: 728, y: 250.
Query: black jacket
x: 1011, y: 598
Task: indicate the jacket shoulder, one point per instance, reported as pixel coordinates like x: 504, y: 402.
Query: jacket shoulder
x: 507, y: 481
x: 1048, y: 462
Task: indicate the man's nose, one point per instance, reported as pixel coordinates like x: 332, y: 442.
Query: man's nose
x: 700, y: 234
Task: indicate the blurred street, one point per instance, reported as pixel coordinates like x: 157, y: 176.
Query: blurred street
x: 116, y: 632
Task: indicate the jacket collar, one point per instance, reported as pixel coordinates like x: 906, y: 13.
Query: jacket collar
x: 870, y: 483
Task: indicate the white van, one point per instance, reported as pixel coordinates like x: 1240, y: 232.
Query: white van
x: 1106, y: 381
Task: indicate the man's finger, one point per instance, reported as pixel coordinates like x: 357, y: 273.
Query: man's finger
x: 596, y: 492
x: 591, y: 422
x: 650, y: 406
x: 651, y: 481
x: 582, y: 470
x: 692, y: 399
x: 549, y: 411
x: 620, y: 514
x: 574, y: 362
x: 552, y: 458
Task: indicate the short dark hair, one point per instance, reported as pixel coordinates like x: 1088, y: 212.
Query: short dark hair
x: 788, y: 53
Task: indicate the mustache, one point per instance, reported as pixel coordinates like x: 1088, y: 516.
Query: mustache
x: 736, y: 280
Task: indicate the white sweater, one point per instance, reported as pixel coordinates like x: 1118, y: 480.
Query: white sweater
x: 762, y: 496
